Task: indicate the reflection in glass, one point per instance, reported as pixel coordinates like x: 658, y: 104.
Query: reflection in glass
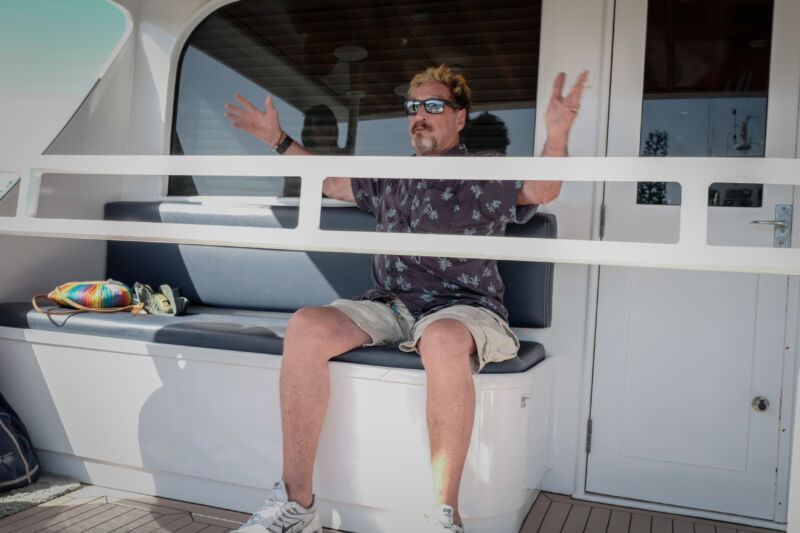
x: 341, y: 92
x: 705, y: 89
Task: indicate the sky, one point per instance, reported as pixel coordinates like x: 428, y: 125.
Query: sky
x: 51, y: 52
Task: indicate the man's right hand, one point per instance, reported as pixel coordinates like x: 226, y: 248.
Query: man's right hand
x: 262, y: 124
x: 265, y: 126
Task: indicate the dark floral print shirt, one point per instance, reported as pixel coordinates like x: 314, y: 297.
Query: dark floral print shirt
x: 427, y: 284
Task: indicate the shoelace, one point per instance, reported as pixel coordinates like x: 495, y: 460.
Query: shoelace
x: 264, y: 513
x: 289, y: 515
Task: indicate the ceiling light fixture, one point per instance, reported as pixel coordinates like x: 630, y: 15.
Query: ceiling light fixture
x: 350, y: 53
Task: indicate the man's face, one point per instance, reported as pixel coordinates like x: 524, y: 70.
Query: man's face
x: 435, y: 134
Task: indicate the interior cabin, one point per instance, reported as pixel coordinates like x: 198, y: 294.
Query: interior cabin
x: 657, y: 301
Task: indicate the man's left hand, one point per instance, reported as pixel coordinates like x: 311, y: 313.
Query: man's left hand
x: 562, y: 110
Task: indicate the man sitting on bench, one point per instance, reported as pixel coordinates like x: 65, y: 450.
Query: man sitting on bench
x: 450, y: 311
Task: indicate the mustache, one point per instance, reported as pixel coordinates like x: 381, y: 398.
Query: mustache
x: 422, y: 126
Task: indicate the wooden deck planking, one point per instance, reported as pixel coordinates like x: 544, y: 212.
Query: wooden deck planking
x: 661, y: 524
x: 577, y: 519
x: 108, y: 513
x: 605, y: 518
x: 556, y: 516
x: 536, y: 516
x: 640, y: 523
x: 620, y: 521
x: 598, y: 520
x: 99, y: 510
x: 131, y: 515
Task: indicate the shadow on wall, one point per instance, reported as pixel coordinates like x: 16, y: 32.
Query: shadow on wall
x: 210, y: 424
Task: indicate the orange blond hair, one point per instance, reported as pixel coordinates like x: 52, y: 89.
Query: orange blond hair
x: 443, y: 74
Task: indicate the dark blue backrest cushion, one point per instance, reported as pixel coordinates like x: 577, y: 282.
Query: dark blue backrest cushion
x: 281, y: 280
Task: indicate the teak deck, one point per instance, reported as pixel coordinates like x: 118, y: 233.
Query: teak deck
x: 97, y: 509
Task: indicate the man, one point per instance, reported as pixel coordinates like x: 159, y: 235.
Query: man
x: 450, y: 311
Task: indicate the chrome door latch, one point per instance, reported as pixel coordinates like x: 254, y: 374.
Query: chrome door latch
x: 760, y: 404
x: 782, y: 224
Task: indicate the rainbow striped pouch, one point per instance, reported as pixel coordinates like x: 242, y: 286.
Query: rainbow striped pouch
x: 99, y: 296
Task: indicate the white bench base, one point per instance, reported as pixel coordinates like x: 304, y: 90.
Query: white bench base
x: 203, y: 426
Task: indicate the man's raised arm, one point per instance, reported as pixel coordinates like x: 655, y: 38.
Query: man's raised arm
x: 559, y: 116
x: 265, y: 125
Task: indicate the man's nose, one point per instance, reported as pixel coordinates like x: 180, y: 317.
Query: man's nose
x: 421, y: 116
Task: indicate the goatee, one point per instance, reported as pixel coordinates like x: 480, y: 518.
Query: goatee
x: 424, y: 144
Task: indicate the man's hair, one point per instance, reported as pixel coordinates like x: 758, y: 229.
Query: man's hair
x: 462, y: 95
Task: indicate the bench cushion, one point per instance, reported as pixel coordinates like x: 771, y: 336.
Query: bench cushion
x: 224, y: 329
x: 225, y: 276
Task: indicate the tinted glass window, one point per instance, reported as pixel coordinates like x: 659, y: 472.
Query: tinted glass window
x: 338, y: 72
x: 705, y: 89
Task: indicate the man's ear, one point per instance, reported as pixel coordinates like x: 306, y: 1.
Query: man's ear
x: 462, y: 119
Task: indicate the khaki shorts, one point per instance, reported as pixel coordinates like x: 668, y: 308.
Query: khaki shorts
x: 391, y: 322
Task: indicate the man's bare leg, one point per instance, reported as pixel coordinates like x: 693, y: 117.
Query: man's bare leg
x: 314, y: 335
x: 445, y: 347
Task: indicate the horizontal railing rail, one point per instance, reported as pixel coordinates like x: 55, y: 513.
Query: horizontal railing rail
x: 690, y: 252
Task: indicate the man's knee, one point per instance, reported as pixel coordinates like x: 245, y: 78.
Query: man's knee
x: 321, y: 331
x: 445, y: 343
x: 307, y: 320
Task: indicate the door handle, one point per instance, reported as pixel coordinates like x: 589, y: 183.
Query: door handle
x: 782, y: 226
x: 777, y: 223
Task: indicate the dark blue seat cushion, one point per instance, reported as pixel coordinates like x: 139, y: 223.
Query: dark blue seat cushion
x: 225, y: 276
x: 221, y: 329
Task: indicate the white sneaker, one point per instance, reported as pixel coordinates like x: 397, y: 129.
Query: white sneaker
x: 441, y: 519
x: 279, y: 515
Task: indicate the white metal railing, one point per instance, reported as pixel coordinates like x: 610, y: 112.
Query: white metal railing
x: 690, y: 252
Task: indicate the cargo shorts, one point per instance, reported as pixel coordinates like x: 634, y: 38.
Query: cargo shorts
x: 391, y: 322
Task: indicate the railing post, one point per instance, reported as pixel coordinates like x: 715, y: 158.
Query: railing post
x: 310, y: 202
x: 694, y: 212
x: 30, y: 186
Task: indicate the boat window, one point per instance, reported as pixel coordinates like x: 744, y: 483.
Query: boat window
x: 705, y: 89
x: 338, y: 72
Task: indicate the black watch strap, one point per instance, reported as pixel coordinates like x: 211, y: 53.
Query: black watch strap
x: 284, y: 145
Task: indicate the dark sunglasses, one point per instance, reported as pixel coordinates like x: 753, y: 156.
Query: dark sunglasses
x: 433, y: 106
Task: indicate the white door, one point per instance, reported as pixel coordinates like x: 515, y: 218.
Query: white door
x: 681, y: 355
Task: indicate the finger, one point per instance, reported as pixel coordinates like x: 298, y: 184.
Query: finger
x: 268, y: 104
x: 558, y: 85
x: 574, y: 96
x: 232, y: 109
x: 231, y: 116
x: 245, y: 102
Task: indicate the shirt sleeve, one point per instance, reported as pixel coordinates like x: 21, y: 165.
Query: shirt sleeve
x: 499, y: 202
x: 367, y: 193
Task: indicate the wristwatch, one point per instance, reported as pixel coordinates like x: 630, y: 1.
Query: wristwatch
x: 283, y: 145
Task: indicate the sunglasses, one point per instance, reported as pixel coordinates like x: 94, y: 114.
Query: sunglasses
x: 433, y: 106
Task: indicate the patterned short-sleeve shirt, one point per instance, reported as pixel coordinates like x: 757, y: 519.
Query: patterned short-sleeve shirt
x: 427, y: 284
